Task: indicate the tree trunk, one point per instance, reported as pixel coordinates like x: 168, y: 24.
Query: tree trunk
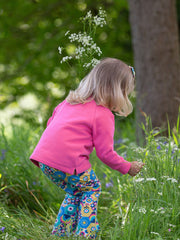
x: 157, y: 61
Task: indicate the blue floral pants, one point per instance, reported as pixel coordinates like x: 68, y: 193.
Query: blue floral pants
x: 78, y: 212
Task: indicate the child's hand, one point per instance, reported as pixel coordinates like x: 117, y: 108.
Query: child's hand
x: 135, y: 168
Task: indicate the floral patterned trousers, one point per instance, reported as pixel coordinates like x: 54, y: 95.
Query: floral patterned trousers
x: 78, y: 212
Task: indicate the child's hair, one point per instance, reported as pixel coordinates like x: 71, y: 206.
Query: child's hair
x: 109, y: 83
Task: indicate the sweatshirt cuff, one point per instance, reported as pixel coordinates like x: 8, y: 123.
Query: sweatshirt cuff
x: 125, y: 167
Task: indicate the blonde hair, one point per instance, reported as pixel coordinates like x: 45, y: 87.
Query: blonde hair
x: 109, y: 83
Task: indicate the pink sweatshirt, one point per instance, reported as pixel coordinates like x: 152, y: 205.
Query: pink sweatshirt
x: 71, y: 134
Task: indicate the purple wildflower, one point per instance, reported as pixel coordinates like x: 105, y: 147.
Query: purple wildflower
x: 2, y: 229
x: 3, y: 151
x: 111, y: 181
x: 119, y: 141
x: 169, y: 230
x: 159, y: 147
x: 109, y: 184
x: 104, y: 175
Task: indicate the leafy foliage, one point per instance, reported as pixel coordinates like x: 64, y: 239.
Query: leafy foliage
x: 143, y: 207
x: 30, y: 69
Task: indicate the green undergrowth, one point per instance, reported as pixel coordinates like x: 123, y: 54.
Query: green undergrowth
x: 145, y: 207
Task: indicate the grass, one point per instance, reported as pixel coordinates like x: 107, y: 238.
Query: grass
x: 145, y: 207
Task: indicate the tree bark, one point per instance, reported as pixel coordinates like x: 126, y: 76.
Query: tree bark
x: 157, y: 61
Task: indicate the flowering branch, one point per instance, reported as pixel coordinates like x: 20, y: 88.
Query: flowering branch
x: 86, y: 49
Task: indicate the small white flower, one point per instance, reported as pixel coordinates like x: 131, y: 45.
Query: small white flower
x: 173, y: 180
x: 150, y: 179
x: 80, y: 50
x: 155, y: 233
x: 100, y: 20
x: 93, y: 63
x: 82, y: 38
x: 67, y: 33
x: 102, y: 13
x: 152, y: 210
x: 65, y: 59
x: 159, y: 209
x: 143, y: 210
x: 88, y: 16
x: 86, y: 65
x: 160, y: 193
x: 171, y: 225
x: 139, y: 180
x: 60, y: 50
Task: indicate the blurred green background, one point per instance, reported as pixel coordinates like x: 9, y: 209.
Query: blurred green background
x: 32, y: 80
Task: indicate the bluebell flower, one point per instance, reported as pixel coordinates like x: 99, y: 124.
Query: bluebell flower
x: 120, y: 140
x: 104, y: 175
x: 2, y: 229
x: 109, y: 184
x: 3, y: 151
x: 159, y: 147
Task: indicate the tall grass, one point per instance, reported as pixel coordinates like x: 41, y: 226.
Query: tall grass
x: 141, y: 208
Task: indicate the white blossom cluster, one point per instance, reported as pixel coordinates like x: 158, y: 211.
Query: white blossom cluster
x: 155, y: 233
x: 88, y: 16
x: 87, y: 43
x: 79, y: 51
x: 60, y: 50
x: 86, y: 46
x: 65, y: 59
x: 142, y: 210
x: 101, y: 19
x: 82, y: 38
x: 159, y: 210
x: 96, y: 49
x: 98, y: 20
x: 93, y: 63
x: 173, y: 180
x: 144, y: 179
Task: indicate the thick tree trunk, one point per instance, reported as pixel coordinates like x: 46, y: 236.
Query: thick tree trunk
x: 157, y: 60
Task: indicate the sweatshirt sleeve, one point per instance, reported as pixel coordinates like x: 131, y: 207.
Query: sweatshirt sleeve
x: 103, y: 138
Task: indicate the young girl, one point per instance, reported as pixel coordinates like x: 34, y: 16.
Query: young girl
x: 81, y: 122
